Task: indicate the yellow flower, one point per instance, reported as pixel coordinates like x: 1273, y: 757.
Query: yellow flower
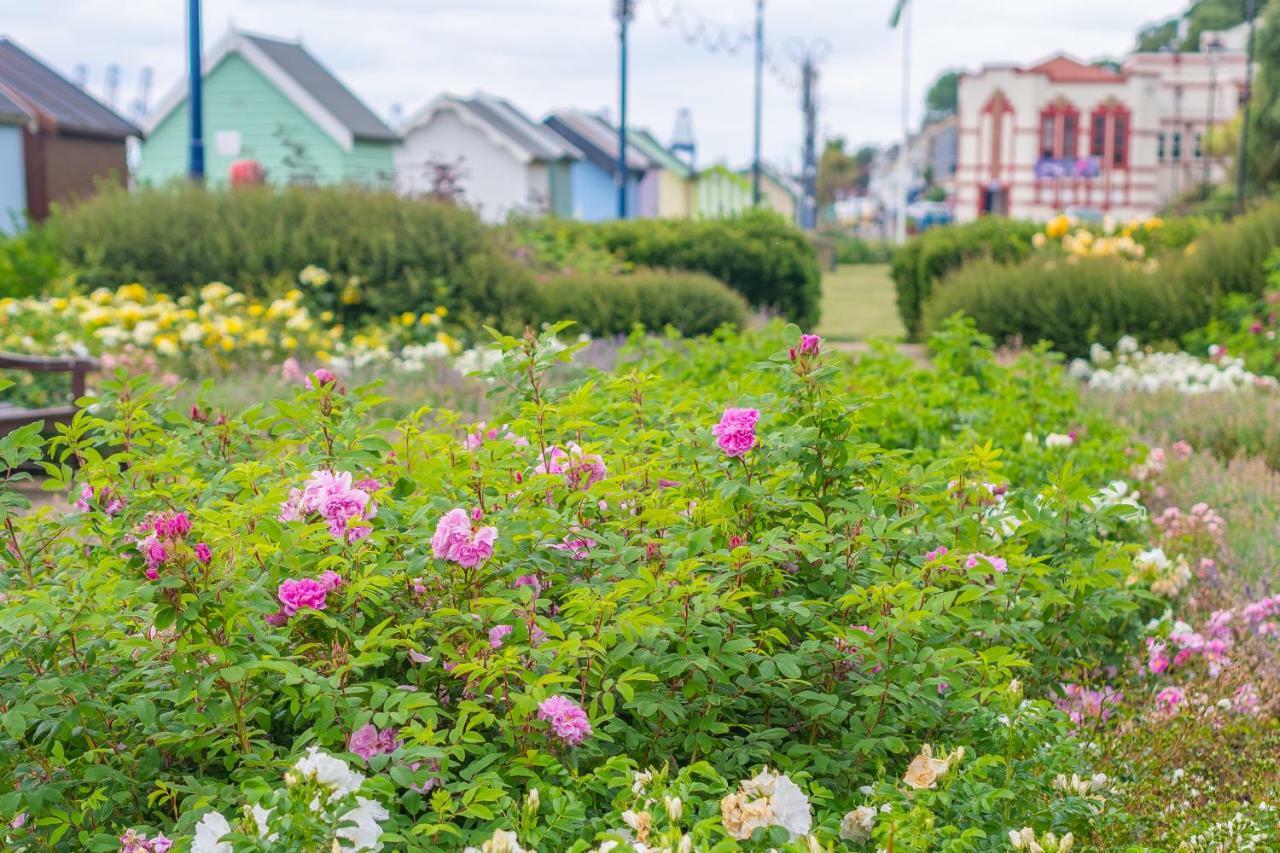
x: 350, y: 294
x: 408, y: 318
x: 293, y: 295
x: 133, y: 293
x: 289, y: 342
x: 1058, y: 226
x: 214, y: 291
x: 326, y: 316
x: 1153, y: 223
x: 323, y: 355
x: 228, y: 344
x: 257, y: 309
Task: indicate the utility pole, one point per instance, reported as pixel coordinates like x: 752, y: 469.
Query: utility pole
x: 809, y: 103
x: 624, y: 11
x: 900, y: 11
x: 1206, y: 146
x: 1251, y: 11
x: 755, y: 163
x: 195, y: 100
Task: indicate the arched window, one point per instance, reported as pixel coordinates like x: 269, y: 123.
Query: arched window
x: 1059, y: 131
x: 1109, y: 136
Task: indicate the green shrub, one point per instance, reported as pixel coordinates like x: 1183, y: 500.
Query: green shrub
x: 1071, y: 305
x: 27, y: 264
x: 920, y: 264
x: 404, y: 251
x: 692, y: 303
x: 772, y: 264
x: 1231, y: 257
x: 850, y: 249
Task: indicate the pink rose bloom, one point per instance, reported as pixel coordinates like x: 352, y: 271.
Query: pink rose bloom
x: 1168, y: 699
x: 1182, y: 450
x: 334, y: 497
x: 291, y: 371
x: 936, y: 554
x: 203, y: 554
x: 322, y: 377
x: 568, y: 721
x: 153, y: 551
x: 367, y: 742
x: 736, y: 432
x: 581, y: 470
x: 998, y: 564
x: 810, y: 344
x: 302, y: 593
x: 455, y: 541
x: 496, y: 633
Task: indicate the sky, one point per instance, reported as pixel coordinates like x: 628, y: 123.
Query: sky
x: 544, y: 54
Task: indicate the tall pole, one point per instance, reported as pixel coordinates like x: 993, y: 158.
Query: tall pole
x: 755, y: 163
x: 624, y: 11
x: 808, y: 214
x: 1243, y: 159
x: 1206, y: 144
x: 900, y: 229
x: 195, y: 101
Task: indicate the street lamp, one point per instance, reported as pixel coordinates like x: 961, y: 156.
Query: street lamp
x: 1251, y: 13
x: 624, y: 11
x: 1206, y: 146
x: 755, y: 163
x: 901, y: 10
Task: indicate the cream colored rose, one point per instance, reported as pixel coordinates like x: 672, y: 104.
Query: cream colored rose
x: 858, y: 824
x: 743, y: 816
x: 925, y: 770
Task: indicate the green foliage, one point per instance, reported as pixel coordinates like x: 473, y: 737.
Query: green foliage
x: 403, y: 251
x: 707, y: 618
x: 851, y: 249
x: 770, y: 262
x: 924, y: 261
x: 28, y: 264
x: 600, y: 304
x: 1070, y: 303
x: 943, y: 96
x: 1231, y: 257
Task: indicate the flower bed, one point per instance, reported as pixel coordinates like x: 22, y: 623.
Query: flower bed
x: 734, y: 595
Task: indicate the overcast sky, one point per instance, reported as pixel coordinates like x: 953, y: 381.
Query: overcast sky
x: 549, y: 53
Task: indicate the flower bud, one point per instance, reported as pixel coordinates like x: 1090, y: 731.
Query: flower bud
x: 675, y: 808
x: 532, y: 800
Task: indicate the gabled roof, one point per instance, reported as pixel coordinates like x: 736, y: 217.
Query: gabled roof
x: 503, y: 124
x: 658, y: 153
x: 34, y: 89
x: 597, y: 140
x: 302, y: 79
x: 11, y: 112
x: 1064, y: 69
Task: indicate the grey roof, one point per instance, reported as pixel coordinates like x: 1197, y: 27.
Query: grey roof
x: 11, y: 112
x: 37, y: 87
x: 542, y: 143
x: 294, y: 60
x: 597, y: 140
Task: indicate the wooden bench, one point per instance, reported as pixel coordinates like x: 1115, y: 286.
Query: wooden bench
x: 12, y: 417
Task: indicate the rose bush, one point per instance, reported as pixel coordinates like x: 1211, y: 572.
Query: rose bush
x: 734, y: 594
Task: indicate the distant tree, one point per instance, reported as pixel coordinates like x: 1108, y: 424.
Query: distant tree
x: 1201, y: 16
x: 943, y: 97
x: 1264, y: 124
x: 1108, y: 63
x: 1157, y: 37
x: 841, y: 173
x: 444, y: 179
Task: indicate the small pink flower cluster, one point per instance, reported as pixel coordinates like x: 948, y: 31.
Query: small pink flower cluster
x: 936, y: 554
x: 581, y: 470
x: 1212, y: 645
x: 496, y: 633
x: 1200, y: 522
x: 135, y: 842
x: 1261, y: 615
x: 1081, y: 703
x: 810, y: 345
x: 111, y: 505
x: 332, y: 495
x: 455, y: 541
x: 291, y: 371
x: 485, y: 433
x: 303, y: 594
x: 367, y: 742
x: 321, y: 378
x: 998, y: 564
x: 1168, y: 700
x: 163, y: 537
x: 736, y: 432
x: 568, y: 721
x: 579, y: 549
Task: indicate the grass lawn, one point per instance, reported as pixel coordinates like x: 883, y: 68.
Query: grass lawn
x: 858, y: 303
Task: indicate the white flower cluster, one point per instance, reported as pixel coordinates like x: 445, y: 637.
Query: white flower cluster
x: 1167, y: 577
x: 767, y: 799
x: 1130, y: 368
x: 1095, y: 784
x: 1240, y: 832
x: 1025, y: 839
x: 362, y: 829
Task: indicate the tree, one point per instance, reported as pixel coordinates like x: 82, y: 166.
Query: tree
x: 1157, y: 37
x: 943, y: 97
x: 1264, y: 125
x: 841, y: 173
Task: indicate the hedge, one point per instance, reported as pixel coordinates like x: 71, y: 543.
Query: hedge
x: 692, y: 303
x: 1071, y: 305
x: 771, y: 263
x: 922, y: 262
x: 404, y: 251
x: 1231, y: 257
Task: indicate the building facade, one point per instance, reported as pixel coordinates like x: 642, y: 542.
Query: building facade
x: 594, y: 177
x: 270, y: 102
x: 1062, y: 135
x: 504, y: 162
x: 67, y: 142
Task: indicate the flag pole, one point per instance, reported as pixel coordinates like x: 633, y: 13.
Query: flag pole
x: 903, y: 15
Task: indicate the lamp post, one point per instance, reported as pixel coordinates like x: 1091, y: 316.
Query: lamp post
x: 624, y: 11
x: 755, y: 163
x: 195, y: 100
x: 1251, y: 12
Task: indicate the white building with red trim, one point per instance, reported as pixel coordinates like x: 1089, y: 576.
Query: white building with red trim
x: 1038, y: 140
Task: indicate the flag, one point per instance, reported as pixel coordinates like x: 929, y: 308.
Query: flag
x: 897, y: 13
